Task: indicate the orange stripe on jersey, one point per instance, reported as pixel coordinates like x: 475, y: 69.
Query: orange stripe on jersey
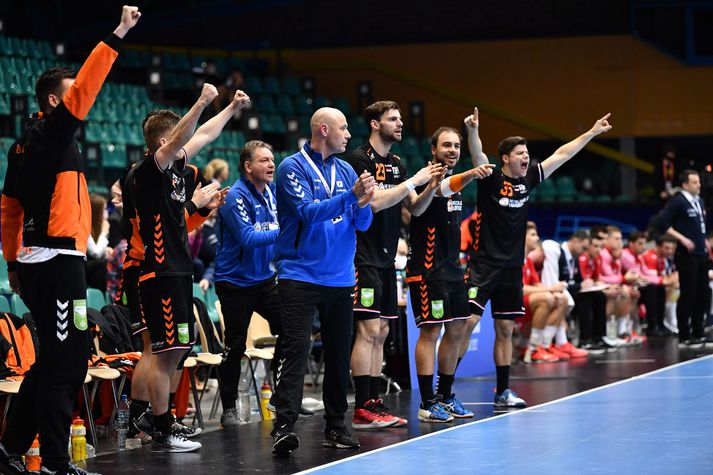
x: 12, y: 217
x: 414, y: 278
x: 476, y: 238
x: 430, y: 247
x: 137, y: 250
x: 70, y: 211
x: 159, y: 250
x: 148, y: 276
x: 81, y: 96
x: 194, y: 220
x: 356, y: 285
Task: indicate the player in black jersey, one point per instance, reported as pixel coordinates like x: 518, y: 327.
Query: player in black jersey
x: 165, y: 286
x: 375, y: 299
x: 497, y: 253
x: 438, y: 293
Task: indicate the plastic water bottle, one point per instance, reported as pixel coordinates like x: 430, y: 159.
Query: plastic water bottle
x: 122, y: 421
x: 79, y: 440
x: 243, y: 402
x: 265, y: 395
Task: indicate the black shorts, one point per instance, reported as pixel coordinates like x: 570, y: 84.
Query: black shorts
x: 375, y: 293
x: 437, y: 301
x: 502, y: 285
x: 130, y: 289
x: 168, y: 309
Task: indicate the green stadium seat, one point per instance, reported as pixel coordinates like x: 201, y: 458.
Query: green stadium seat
x: 19, y: 47
x: 253, y: 86
x: 272, y: 85
x: 4, y: 105
x: 4, y: 303
x: 291, y: 86
x: 548, y: 191
x: 95, y: 299
x: 304, y: 105
x: 584, y: 198
x: 265, y: 104
x: 343, y: 105
x: 18, y: 305
x: 284, y: 105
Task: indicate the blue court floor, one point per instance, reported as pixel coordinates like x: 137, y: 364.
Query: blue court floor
x: 656, y: 423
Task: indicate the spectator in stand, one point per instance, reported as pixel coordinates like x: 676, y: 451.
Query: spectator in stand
x: 217, y: 170
x: 658, y: 271
x: 98, y: 250
x: 560, y: 265
x: 665, y: 174
x: 623, y: 306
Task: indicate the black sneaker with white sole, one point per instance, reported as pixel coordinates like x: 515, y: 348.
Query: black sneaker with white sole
x: 304, y: 413
x: 285, y: 440
x: 339, y: 438
x: 174, y: 441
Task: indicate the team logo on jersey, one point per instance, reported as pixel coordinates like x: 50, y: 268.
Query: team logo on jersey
x: 183, y: 333
x: 80, y: 314
x: 396, y: 172
x: 454, y: 205
x: 504, y: 202
x: 437, y: 308
x: 340, y: 184
x: 179, y: 188
x: 257, y: 227
x: 367, y: 297
x: 472, y: 292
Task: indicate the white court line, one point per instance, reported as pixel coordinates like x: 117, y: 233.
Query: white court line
x: 507, y: 414
x: 681, y: 377
x: 647, y: 360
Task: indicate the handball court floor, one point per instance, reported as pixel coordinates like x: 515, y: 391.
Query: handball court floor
x: 640, y: 408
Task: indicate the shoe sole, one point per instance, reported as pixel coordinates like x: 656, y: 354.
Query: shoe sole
x: 424, y: 418
x: 460, y: 416
x: 175, y: 450
x: 374, y: 425
x: 337, y: 445
x: 285, y: 445
x: 597, y: 352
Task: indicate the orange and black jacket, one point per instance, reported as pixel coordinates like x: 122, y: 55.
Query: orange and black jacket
x: 45, y: 188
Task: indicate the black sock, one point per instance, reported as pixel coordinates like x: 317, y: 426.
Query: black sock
x: 503, y: 374
x: 458, y: 363
x: 374, y: 384
x: 162, y: 422
x: 136, y: 408
x: 444, y: 384
x: 361, y: 390
x: 425, y: 385
x: 170, y: 401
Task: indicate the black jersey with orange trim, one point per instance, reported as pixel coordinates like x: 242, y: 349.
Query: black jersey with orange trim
x: 501, y: 221
x: 51, y: 187
x: 12, y: 213
x: 129, y: 221
x: 377, y: 245
x: 435, y: 241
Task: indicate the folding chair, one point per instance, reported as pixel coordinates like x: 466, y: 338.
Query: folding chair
x: 8, y: 388
x: 212, y: 360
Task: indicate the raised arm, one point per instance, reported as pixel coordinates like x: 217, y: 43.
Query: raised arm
x: 569, y: 150
x: 453, y: 184
x: 183, y: 131
x: 387, y: 198
x: 472, y: 123
x: 210, y: 131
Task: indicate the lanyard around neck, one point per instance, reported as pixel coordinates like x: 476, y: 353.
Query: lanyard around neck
x: 329, y: 189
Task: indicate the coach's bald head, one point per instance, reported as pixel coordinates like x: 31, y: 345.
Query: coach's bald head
x: 329, y: 131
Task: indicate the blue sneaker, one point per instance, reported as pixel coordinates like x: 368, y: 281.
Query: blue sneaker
x: 509, y: 398
x: 454, y: 407
x: 433, y: 412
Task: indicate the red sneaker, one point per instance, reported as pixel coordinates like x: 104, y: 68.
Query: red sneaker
x: 541, y: 355
x: 367, y: 417
x: 384, y: 411
x: 561, y: 355
x: 572, y: 350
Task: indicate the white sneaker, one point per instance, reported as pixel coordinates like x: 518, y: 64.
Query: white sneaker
x: 174, y: 441
x: 614, y: 342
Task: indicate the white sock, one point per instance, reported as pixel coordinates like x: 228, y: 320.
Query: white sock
x: 623, y: 324
x: 561, y: 336
x: 548, y: 335
x: 535, y: 337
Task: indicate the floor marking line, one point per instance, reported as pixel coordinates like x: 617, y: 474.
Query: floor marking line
x: 507, y: 414
x: 643, y: 360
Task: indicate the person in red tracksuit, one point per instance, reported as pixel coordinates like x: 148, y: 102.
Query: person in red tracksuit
x: 46, y: 192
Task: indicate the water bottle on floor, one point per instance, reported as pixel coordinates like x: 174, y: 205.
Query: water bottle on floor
x: 122, y: 421
x: 243, y: 402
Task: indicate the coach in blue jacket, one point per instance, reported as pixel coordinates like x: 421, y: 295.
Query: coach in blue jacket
x: 321, y: 203
x: 244, y: 278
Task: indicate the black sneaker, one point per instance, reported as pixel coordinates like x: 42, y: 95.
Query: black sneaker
x: 143, y: 423
x: 11, y: 463
x: 70, y: 470
x: 285, y: 440
x: 339, y: 438
x: 594, y: 348
x: 187, y: 431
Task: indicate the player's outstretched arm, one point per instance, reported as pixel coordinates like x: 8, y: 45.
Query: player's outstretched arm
x: 475, y: 145
x: 183, y: 131
x: 210, y: 131
x: 569, y: 150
